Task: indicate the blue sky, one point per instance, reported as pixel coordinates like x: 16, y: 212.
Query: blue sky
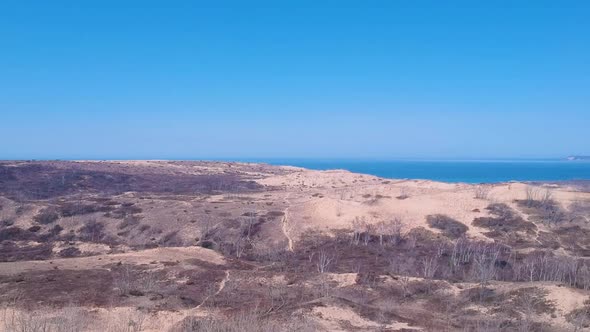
x: 330, y: 79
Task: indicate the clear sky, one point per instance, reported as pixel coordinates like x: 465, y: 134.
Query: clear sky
x: 348, y: 79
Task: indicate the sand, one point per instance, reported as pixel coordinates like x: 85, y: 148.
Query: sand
x: 157, y: 255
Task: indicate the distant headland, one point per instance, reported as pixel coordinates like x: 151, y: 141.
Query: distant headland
x: 578, y: 158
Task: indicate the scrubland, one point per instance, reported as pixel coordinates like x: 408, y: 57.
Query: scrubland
x: 212, y: 246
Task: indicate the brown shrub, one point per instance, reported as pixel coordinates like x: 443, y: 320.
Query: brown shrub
x: 450, y: 227
x: 47, y: 216
x: 92, y: 231
x: 34, y: 229
x: 504, y: 221
x: 16, y: 234
x: 69, y: 252
x: 71, y: 209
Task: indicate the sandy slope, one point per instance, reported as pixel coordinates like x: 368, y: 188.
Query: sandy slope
x: 310, y: 200
x: 330, y: 200
x: 157, y: 255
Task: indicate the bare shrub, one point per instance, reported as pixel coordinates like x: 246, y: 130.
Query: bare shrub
x: 277, y: 296
x: 92, y: 231
x: 127, y: 281
x: 429, y: 267
x: 46, y: 216
x: 239, y: 245
x: 580, y: 317
x: 482, y: 191
x: 538, y: 197
x: 384, y: 232
x: 20, y: 321
x: 132, y: 321
x: 206, y: 227
x: 532, y: 195
x: 404, y: 193
x: 130, y: 221
x: 171, y: 239
x: 67, y: 319
x: 579, y: 321
x: 70, y: 209
x: 527, y: 303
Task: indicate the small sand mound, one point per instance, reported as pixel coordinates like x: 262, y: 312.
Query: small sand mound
x: 333, y: 318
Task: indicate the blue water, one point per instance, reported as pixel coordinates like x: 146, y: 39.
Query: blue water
x: 455, y: 171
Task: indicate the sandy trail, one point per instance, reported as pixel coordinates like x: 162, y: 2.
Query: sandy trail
x: 285, y: 223
x: 286, y: 231
x: 219, y: 289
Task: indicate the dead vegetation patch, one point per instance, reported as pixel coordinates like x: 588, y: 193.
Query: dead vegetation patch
x: 12, y: 252
x: 57, y: 288
x: 44, y: 180
x: 507, y: 226
x: 47, y: 216
x: 450, y: 227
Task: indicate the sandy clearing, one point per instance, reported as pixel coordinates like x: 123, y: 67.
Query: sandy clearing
x: 97, y: 319
x: 330, y: 200
x: 566, y: 300
x: 331, y: 317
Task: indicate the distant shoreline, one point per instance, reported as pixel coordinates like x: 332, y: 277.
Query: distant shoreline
x: 456, y: 171
x: 449, y: 171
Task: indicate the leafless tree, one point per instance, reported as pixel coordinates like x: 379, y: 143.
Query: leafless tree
x: 358, y: 228
x: 584, y: 277
x: 395, y: 228
x: 394, y: 265
x: 247, y: 223
x: 485, y: 264
x: 324, y: 261
x: 3, y: 213
x: 367, y: 234
x: 461, y: 253
x: 325, y: 286
x: 530, y: 268
x: 487, y: 325
x: 240, y: 245
x: 381, y: 228
x: 404, y: 282
x: 429, y: 267
x: 206, y: 226
x: 411, y: 240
